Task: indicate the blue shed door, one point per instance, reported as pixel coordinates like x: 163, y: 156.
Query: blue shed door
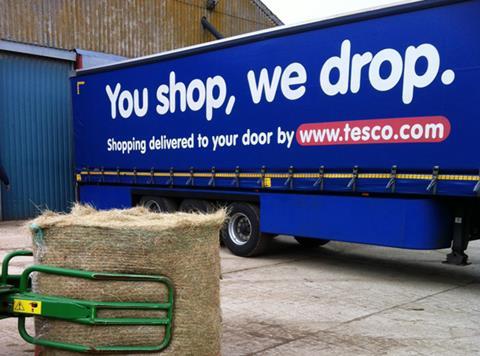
x: 35, y: 134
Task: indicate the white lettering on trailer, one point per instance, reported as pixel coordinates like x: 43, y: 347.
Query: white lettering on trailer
x: 163, y: 104
x: 294, y: 74
x: 127, y: 146
x: 218, y: 84
x: 342, y: 64
x: 224, y: 141
x: 140, y: 111
x: 174, y: 89
x: 396, y: 63
x: 414, y: 80
x: 401, y: 130
x: 350, y: 71
x: 285, y: 137
x: 125, y: 110
x: 127, y: 103
x: 250, y: 138
x: 415, y: 68
x: 196, y: 95
x: 358, y: 62
x: 434, y: 131
x: 196, y: 89
x: 230, y: 104
x: 166, y: 143
x: 113, y: 95
x: 264, y: 84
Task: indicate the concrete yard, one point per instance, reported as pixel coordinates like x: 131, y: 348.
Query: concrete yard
x: 342, y: 299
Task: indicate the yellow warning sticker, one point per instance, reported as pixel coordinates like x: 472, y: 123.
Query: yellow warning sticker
x: 267, y: 182
x: 27, y: 306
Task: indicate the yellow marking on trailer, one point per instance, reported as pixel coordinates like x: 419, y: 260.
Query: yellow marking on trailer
x: 225, y: 175
x: 458, y: 177
x: 374, y: 176
x: 404, y: 176
x: 415, y: 176
x: 273, y: 175
x: 92, y: 173
x: 79, y: 83
x: 338, y: 175
x: 250, y: 175
x: 27, y: 306
x: 306, y: 175
x: 267, y: 182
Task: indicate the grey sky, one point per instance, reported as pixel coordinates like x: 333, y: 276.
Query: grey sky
x: 294, y: 11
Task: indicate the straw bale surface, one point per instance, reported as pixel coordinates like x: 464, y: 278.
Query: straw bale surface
x: 183, y: 247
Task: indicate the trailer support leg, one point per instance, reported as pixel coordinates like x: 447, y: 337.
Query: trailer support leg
x: 461, y: 237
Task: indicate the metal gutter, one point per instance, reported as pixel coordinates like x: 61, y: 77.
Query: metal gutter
x: 29, y: 49
x: 88, y: 59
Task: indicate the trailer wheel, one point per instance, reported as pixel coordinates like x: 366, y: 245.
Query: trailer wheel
x: 241, y: 232
x: 310, y: 242
x: 197, y: 206
x: 159, y: 204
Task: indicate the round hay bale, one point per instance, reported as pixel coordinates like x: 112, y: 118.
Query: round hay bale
x: 183, y: 247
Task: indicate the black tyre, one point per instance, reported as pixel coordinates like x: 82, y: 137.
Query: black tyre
x: 197, y: 206
x: 311, y: 242
x: 241, y: 232
x: 159, y: 204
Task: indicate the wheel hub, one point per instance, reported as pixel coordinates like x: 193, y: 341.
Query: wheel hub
x: 153, y: 206
x: 240, y: 228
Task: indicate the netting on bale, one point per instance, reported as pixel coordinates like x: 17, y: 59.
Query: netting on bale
x: 183, y: 247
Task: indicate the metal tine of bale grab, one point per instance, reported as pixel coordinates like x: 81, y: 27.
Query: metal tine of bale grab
x: 20, y: 301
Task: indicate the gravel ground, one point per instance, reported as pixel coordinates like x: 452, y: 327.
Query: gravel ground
x: 340, y: 299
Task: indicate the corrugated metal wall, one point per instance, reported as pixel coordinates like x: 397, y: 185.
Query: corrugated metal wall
x: 35, y: 134
x: 129, y: 28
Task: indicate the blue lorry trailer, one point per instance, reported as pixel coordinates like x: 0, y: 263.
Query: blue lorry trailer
x: 361, y: 128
